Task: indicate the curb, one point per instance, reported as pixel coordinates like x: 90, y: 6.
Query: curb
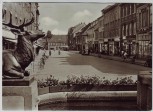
x: 87, y: 96
x: 136, y: 63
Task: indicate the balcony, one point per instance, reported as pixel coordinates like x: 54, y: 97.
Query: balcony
x: 128, y: 18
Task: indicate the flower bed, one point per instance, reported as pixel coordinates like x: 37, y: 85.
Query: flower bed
x: 85, y: 83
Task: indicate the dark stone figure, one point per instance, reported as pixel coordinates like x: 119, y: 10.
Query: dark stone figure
x: 15, y: 61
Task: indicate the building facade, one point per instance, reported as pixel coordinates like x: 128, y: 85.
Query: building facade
x: 70, y: 37
x: 101, y: 34
x: 18, y: 12
x: 58, y: 41
x: 144, y: 30
x: 128, y: 28
x: 112, y: 29
x: 122, y: 27
x: 73, y: 36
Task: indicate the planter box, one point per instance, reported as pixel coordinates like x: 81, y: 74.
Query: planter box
x: 86, y: 87
x: 43, y: 90
x: 58, y: 88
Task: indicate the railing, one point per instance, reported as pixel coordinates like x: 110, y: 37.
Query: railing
x: 128, y: 18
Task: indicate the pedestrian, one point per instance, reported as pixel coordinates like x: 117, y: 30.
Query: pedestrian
x: 42, y: 62
x: 122, y: 53
x: 50, y: 52
x: 125, y: 55
x: 59, y: 52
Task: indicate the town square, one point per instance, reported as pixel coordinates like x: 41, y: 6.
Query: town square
x: 76, y: 56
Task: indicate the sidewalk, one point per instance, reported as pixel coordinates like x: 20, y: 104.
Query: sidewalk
x: 117, y: 58
x: 34, y: 67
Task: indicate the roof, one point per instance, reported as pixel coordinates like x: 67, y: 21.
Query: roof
x: 78, y: 27
x: 58, y: 39
x: 109, y: 7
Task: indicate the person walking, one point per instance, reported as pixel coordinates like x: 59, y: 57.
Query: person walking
x: 50, y: 53
x: 125, y: 55
x: 59, y: 52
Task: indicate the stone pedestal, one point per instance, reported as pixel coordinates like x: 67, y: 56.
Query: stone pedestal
x: 144, y: 90
x: 20, y: 94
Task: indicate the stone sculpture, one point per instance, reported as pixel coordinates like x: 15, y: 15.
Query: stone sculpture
x: 15, y: 61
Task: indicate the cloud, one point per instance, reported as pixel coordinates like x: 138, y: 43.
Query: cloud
x: 47, y: 23
x: 57, y: 31
x: 81, y: 16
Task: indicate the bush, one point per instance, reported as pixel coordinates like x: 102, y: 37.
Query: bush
x: 50, y: 81
x: 92, y: 80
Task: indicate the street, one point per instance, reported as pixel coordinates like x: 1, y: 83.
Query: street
x: 70, y: 63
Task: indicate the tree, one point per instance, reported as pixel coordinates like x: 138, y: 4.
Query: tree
x: 48, y: 37
x: 49, y: 34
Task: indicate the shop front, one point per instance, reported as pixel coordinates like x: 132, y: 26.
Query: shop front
x: 144, y: 46
x: 129, y: 45
x: 106, y: 46
x: 96, y: 47
x: 100, y: 46
x: 111, y: 46
x: 117, y: 46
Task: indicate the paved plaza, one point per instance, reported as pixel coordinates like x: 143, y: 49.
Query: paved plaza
x: 70, y: 63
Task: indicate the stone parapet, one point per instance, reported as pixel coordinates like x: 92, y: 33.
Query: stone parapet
x: 20, y: 94
x: 144, y: 90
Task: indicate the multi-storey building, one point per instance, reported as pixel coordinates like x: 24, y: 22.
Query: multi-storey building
x: 18, y: 12
x: 76, y: 36
x: 128, y: 28
x: 96, y: 35
x: 73, y: 36
x: 55, y: 42
x: 112, y: 29
x: 144, y: 29
x: 70, y: 37
x: 91, y: 36
x: 101, y: 34
x: 58, y: 41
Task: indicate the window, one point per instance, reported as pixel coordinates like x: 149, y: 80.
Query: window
x: 20, y: 21
x: 132, y: 8
x: 4, y: 14
x: 128, y: 9
x: 130, y: 25
x: 16, y: 20
x: 126, y: 30
x: 151, y: 15
x: 140, y: 23
x: 124, y: 11
x: 132, y: 28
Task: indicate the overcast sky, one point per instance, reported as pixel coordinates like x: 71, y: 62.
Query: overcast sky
x: 58, y: 17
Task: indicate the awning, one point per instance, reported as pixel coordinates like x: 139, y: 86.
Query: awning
x: 8, y: 34
x: 105, y: 40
